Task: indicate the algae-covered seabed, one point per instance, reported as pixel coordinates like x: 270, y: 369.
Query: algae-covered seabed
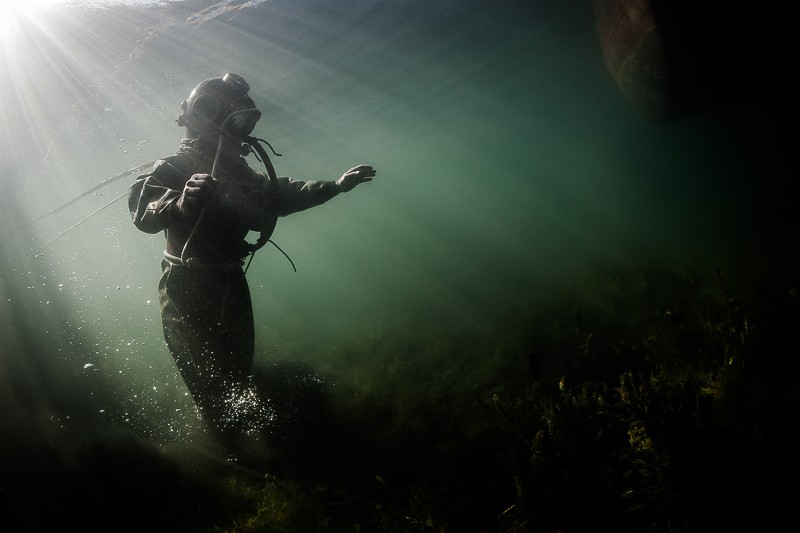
x: 545, y: 313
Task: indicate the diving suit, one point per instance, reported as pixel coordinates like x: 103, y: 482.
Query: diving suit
x: 204, y: 296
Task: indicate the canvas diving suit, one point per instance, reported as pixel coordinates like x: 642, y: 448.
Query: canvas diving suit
x: 205, y: 301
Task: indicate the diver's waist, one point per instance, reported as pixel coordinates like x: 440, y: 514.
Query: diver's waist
x: 201, y: 263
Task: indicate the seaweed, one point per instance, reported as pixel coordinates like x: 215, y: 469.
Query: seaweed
x: 646, y: 400
x: 638, y: 399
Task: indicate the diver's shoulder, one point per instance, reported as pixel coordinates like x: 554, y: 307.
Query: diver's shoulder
x: 179, y: 163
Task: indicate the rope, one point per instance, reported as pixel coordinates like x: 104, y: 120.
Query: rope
x: 91, y: 190
x: 84, y: 219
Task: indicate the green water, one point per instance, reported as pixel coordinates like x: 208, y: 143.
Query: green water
x: 509, y: 167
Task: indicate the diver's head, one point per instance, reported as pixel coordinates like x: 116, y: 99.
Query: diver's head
x: 212, y: 101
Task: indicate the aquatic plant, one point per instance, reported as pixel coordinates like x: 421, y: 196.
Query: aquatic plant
x: 645, y: 399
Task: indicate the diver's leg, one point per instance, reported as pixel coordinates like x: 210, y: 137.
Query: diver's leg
x: 208, y: 326
x: 190, y: 335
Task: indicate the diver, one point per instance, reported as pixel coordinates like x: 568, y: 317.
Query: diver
x: 206, y: 199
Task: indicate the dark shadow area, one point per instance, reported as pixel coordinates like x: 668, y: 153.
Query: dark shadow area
x: 722, y: 52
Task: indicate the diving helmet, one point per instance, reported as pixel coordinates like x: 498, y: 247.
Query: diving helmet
x: 212, y: 101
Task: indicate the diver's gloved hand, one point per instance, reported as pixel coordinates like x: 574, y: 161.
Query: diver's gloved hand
x: 196, y: 194
x: 354, y: 176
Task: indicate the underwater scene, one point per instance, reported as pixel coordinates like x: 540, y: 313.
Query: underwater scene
x: 537, y: 272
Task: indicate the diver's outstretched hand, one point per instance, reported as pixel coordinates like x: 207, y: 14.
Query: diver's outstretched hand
x: 354, y: 176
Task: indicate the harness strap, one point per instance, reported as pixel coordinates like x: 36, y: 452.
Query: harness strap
x: 199, y: 264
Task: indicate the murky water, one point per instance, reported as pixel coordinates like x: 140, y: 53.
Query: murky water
x: 508, y: 161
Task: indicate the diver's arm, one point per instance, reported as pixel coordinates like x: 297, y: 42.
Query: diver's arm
x: 298, y: 195
x: 295, y: 195
x: 154, y: 199
x: 173, y: 194
x: 151, y: 204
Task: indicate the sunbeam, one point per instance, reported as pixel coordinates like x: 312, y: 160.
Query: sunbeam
x: 26, y: 8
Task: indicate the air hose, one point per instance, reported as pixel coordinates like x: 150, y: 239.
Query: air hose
x: 254, y: 143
